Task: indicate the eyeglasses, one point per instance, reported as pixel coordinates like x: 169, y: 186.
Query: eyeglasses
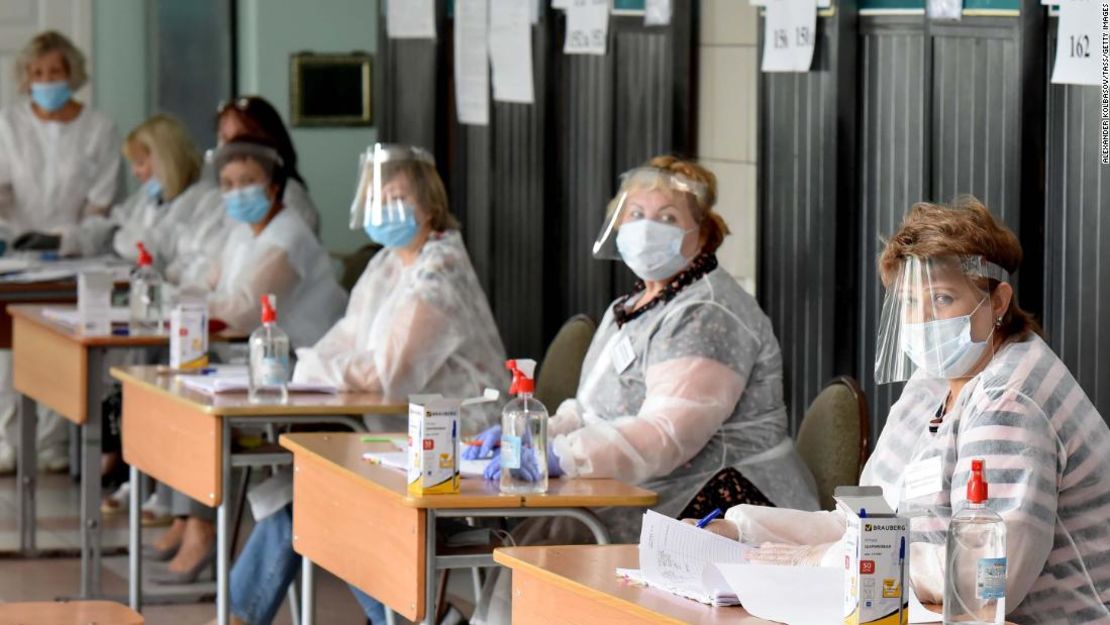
x: 242, y: 104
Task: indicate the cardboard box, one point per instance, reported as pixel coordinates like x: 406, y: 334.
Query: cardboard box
x: 433, y: 466
x: 189, y: 335
x: 876, y: 558
x: 94, y: 302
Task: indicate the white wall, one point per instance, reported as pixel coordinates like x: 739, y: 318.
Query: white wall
x: 120, y: 69
x: 727, y: 124
x: 269, y: 31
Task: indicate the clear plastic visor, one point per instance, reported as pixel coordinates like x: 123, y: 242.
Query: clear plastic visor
x: 649, y: 193
x: 384, y: 193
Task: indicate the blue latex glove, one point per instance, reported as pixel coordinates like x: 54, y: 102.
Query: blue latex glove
x: 528, y: 467
x: 490, y: 439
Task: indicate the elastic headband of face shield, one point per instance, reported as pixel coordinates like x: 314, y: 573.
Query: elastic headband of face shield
x: 375, y: 166
x: 233, y: 150
x: 643, y: 179
x: 928, y: 320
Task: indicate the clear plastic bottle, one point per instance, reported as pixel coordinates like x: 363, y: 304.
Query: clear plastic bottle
x: 975, y: 580
x: 145, y: 298
x: 523, y: 434
x: 268, y: 364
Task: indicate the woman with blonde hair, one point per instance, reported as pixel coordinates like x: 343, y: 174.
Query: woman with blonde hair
x: 681, y: 389
x: 167, y: 165
x: 59, y: 164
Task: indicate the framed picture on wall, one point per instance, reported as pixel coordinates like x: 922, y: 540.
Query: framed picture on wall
x: 330, y: 89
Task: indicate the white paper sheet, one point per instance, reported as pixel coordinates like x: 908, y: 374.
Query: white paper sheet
x: 510, y: 49
x: 788, y: 36
x: 411, y: 19
x: 69, y: 316
x: 679, y: 558
x: 221, y: 382
x: 1078, y: 43
x: 399, y: 460
x: 657, y: 12
x: 12, y: 265
x: 560, y: 4
x: 587, y: 27
x: 472, y: 61
x: 944, y: 9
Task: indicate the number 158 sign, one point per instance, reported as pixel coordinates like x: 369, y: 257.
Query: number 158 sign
x: 789, y: 35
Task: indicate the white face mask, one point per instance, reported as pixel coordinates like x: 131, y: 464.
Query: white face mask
x: 943, y: 348
x: 652, y: 250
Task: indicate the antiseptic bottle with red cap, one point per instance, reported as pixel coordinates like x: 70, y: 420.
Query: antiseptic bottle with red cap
x: 269, y: 358
x: 145, y: 299
x: 523, y: 434
x: 975, y: 566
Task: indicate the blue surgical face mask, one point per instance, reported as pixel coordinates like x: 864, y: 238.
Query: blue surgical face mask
x: 652, y: 250
x: 943, y: 348
x: 397, y: 232
x: 247, y: 204
x: 153, y: 188
x: 51, y: 96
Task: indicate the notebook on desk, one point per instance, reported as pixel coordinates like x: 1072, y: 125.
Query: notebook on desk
x: 680, y: 559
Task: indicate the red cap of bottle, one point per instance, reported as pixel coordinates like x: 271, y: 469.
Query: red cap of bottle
x: 521, y: 383
x: 145, y: 259
x: 269, y: 315
x: 976, y: 485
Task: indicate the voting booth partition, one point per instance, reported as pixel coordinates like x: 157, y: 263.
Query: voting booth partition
x: 898, y: 109
x: 537, y: 178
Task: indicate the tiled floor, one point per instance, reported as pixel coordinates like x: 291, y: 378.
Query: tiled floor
x: 51, y: 578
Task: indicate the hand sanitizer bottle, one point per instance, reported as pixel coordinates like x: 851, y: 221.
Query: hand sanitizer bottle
x: 146, y: 295
x: 269, y: 359
x: 975, y: 575
x: 523, y: 434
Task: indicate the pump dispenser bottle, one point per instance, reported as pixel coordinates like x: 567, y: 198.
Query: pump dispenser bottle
x: 523, y: 434
x: 975, y: 567
x: 269, y: 359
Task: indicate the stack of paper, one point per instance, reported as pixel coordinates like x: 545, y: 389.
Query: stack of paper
x: 70, y: 317
x: 680, y: 558
x: 220, y: 382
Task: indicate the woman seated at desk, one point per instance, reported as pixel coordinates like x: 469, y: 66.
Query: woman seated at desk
x: 417, y: 322
x: 982, y: 383
x: 269, y: 252
x: 681, y: 389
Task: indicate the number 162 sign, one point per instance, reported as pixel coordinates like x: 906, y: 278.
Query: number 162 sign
x: 1079, y: 43
x: 790, y: 32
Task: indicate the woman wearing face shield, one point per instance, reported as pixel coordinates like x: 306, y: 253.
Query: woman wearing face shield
x: 681, y: 389
x: 59, y: 164
x: 417, y: 322
x: 270, y: 251
x: 981, y: 384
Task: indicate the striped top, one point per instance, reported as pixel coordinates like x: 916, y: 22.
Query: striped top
x: 1047, y: 456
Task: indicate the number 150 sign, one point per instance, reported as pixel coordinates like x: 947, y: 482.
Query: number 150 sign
x: 789, y: 35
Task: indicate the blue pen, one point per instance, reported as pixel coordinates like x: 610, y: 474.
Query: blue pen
x: 709, y: 517
x: 902, y: 581
x: 863, y: 513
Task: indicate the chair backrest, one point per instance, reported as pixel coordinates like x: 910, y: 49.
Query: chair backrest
x: 833, y: 437
x: 562, y: 364
x: 352, y: 265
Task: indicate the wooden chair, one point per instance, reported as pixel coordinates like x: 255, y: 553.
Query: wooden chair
x: 562, y: 364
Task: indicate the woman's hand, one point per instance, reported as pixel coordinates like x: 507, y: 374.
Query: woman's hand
x: 720, y: 527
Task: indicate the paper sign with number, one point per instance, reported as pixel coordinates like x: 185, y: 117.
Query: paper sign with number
x: 587, y: 27
x: 790, y: 32
x: 1079, y: 43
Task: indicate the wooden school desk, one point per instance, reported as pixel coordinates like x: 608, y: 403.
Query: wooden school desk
x: 57, y: 366
x: 68, y: 613
x: 14, y: 293
x: 357, y: 520
x: 183, y: 438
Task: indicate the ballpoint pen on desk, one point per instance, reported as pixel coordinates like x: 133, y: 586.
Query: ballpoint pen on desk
x: 709, y: 517
x: 902, y: 582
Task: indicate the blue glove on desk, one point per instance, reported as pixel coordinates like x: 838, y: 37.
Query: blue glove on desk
x: 490, y: 439
x: 529, y: 469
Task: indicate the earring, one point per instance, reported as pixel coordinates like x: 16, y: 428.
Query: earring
x: 998, y: 322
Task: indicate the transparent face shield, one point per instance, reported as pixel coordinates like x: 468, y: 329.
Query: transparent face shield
x: 384, y: 195
x: 648, y: 193
x: 937, y: 320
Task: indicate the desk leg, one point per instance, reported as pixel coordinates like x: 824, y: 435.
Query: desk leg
x: 135, y: 543
x: 223, y: 535
x: 91, y: 450
x: 431, y: 587
x: 308, y: 593
x: 28, y: 473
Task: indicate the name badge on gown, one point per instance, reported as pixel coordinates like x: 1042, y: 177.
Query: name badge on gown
x: 921, y: 478
x: 623, y: 354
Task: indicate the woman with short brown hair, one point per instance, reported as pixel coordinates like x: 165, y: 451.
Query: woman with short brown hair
x: 982, y: 384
